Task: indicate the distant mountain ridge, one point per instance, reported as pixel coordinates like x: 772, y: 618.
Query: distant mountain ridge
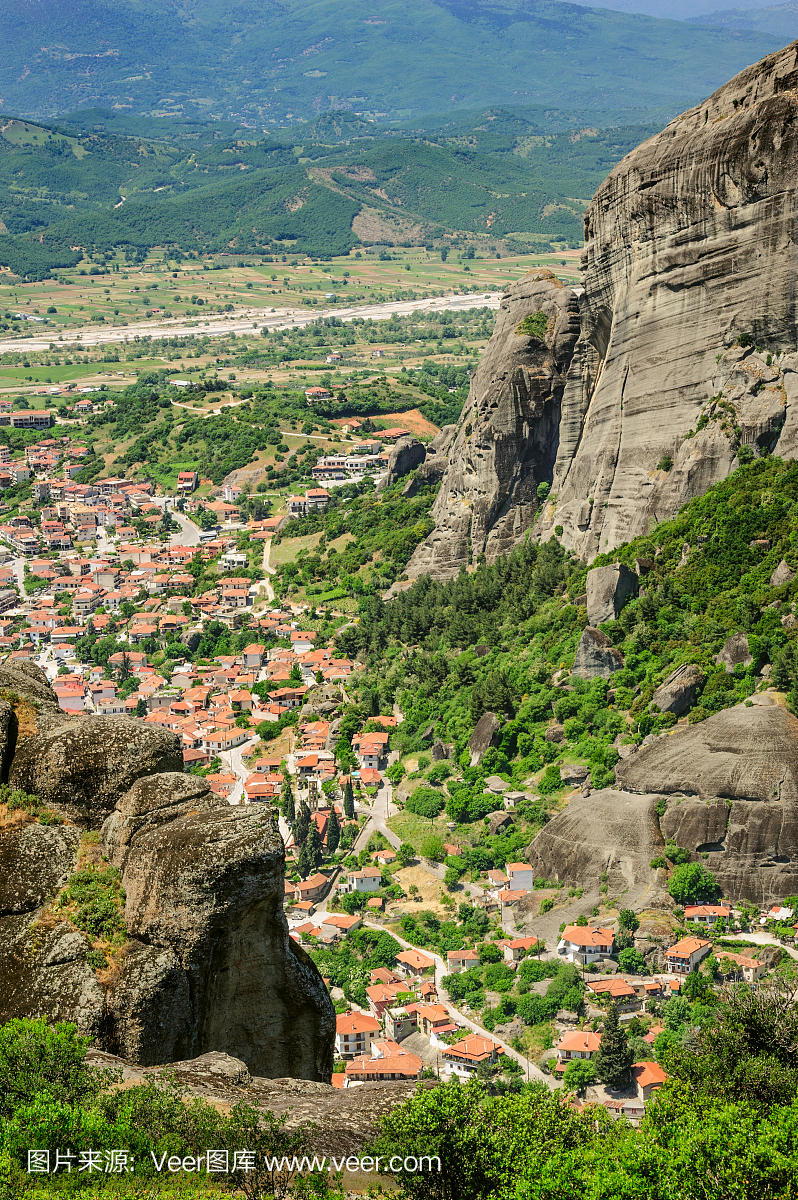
x: 274, y: 62
x: 779, y: 20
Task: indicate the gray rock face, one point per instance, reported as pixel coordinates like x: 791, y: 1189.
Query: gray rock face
x: 596, y: 656
x: 407, y: 454
x: 506, y: 440
x: 608, y: 589
x: 555, y: 733
x: 677, y: 693
x: 429, y: 473
x: 782, y: 574
x: 609, y: 830
x: 743, y: 761
x: 642, y: 384
x: 208, y: 967
x: 735, y: 651
x: 81, y: 767
x: 483, y: 737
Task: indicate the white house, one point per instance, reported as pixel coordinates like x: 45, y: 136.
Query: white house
x: 581, y: 944
x: 707, y: 914
x: 521, y: 877
x: 685, y: 956
x: 353, y: 1033
x: 367, y: 880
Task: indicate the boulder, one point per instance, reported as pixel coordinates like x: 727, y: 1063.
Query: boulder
x: 782, y: 574
x: 609, y: 830
x: 734, y: 783
x: 483, y: 737
x: 208, y: 968
x: 574, y: 774
x: 735, y: 651
x: 497, y: 821
x: 596, y: 656
x: 428, y: 474
x: 677, y: 693
x: 608, y: 589
x: 406, y: 455
x: 81, y: 766
x: 555, y: 733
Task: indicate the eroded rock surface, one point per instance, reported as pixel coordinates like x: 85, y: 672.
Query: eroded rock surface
x: 506, y: 440
x: 596, y: 656
x: 688, y: 245
x: 208, y: 965
x: 677, y: 693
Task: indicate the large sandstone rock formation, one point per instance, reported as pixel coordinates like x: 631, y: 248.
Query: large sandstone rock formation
x: 732, y: 788
x: 727, y: 791
x: 208, y: 964
x: 688, y: 245
x: 596, y: 656
x: 507, y: 437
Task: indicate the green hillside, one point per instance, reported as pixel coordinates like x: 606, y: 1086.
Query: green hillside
x: 275, y: 61
x: 496, y: 172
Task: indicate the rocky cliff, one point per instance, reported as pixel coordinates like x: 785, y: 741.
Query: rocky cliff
x: 643, y: 387
x: 726, y: 790
x: 202, y: 961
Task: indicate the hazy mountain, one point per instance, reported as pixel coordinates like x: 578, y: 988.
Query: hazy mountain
x: 280, y: 60
x: 780, y: 20
x: 668, y: 10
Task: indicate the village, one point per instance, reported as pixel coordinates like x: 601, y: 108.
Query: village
x: 116, y: 563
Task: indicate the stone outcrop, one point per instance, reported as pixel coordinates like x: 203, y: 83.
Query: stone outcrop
x: 609, y: 830
x: 406, y: 455
x: 208, y: 965
x: 80, y: 767
x: 688, y: 247
x: 735, y: 652
x: 337, y: 1122
x: 506, y: 440
x: 596, y: 656
x: 782, y: 574
x: 743, y: 761
x: 677, y: 693
x: 483, y: 737
x: 607, y: 590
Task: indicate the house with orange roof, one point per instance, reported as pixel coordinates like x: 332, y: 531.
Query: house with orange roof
x: 388, y: 1061
x: 413, y: 964
x: 312, y: 888
x: 648, y: 1077
x: 465, y: 1057
x: 517, y: 949
x: 685, y: 956
x: 434, y: 1021
x: 707, y: 914
x: 353, y: 1033
x: 461, y: 960
x: 577, y: 1043
x: 581, y: 944
x: 383, y: 995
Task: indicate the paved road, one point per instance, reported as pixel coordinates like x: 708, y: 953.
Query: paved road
x: 761, y: 939
x: 529, y: 1068
x: 245, y: 320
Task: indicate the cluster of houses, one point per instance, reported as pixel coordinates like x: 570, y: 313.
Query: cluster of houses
x: 369, y: 1044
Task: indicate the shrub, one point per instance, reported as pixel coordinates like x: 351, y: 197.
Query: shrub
x: 692, y: 882
x: 425, y: 802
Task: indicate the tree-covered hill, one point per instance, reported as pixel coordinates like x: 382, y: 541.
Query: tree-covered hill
x: 420, y: 646
x: 498, y: 173
x: 274, y: 61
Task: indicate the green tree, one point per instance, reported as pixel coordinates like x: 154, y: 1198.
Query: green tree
x: 349, y: 800
x: 405, y: 854
x: 632, y: 961
x: 314, y: 846
x: 295, y: 676
x: 287, y: 805
x: 141, y: 707
x: 692, y: 883
x: 579, y: 1074
x: 613, y: 1058
x: 302, y: 824
x: 628, y: 919
x: 305, y: 862
x: 432, y: 847
x: 38, y: 1060
x: 333, y: 833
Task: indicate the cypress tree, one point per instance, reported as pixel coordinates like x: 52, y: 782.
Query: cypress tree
x: 287, y: 805
x: 302, y: 824
x: 305, y: 863
x: 349, y: 800
x: 333, y: 833
x: 313, y: 847
x: 614, y: 1057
